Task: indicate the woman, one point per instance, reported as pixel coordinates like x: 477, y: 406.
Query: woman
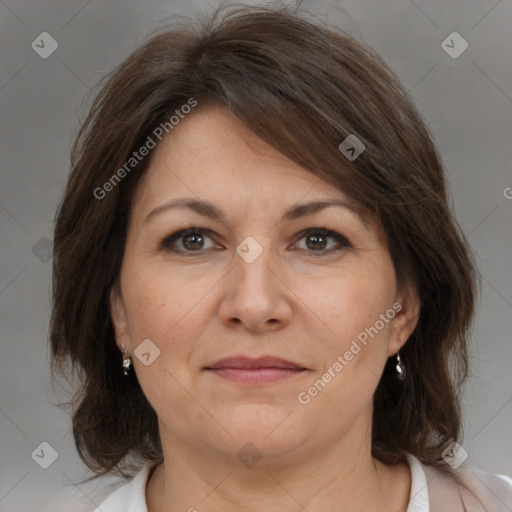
x: 258, y: 277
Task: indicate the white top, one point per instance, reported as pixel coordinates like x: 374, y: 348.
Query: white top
x: 131, y: 496
x: 428, y: 489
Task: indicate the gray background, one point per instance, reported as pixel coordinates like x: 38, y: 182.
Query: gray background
x: 466, y: 101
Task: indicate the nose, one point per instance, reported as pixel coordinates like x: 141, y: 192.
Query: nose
x: 255, y: 295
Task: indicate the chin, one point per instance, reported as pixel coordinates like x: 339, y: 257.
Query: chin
x: 273, y: 430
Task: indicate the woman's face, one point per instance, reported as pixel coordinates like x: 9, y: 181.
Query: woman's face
x: 258, y: 277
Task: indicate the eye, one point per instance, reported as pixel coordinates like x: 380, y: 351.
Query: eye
x: 317, y: 240
x: 193, y: 240
x: 187, y: 241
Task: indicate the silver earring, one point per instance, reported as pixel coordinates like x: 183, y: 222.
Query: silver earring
x: 400, y: 367
x: 127, y: 360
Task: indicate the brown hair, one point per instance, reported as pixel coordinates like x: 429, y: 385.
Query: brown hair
x: 303, y: 88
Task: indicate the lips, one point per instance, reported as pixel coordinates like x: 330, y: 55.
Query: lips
x: 255, y: 371
x: 255, y: 363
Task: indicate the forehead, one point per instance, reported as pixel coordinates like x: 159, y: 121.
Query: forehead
x: 211, y: 154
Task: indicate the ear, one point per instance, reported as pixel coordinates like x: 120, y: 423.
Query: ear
x: 406, y: 319
x: 118, y: 316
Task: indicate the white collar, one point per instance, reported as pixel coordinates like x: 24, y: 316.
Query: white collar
x: 418, y: 499
x: 131, y: 497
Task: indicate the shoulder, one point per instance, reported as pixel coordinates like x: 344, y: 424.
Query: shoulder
x: 468, y: 489
x: 83, y: 497
x: 131, y: 497
x: 107, y: 494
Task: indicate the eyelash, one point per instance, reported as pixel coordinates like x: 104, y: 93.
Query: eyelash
x: 166, y: 243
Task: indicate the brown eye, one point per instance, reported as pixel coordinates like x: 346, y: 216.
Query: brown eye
x: 317, y: 240
x: 187, y: 241
x: 193, y: 242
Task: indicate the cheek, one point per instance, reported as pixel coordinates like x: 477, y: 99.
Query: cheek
x: 172, y: 312
x: 353, y: 348
x: 159, y: 310
x: 160, y: 300
x: 347, y: 305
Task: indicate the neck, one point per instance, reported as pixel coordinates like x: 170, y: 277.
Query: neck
x: 343, y: 477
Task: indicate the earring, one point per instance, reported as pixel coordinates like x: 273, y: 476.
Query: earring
x: 400, y: 367
x: 127, y: 360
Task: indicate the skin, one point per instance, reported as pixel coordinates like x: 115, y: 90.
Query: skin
x: 295, y: 300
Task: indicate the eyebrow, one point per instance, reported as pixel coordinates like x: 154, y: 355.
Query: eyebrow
x: 211, y: 211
